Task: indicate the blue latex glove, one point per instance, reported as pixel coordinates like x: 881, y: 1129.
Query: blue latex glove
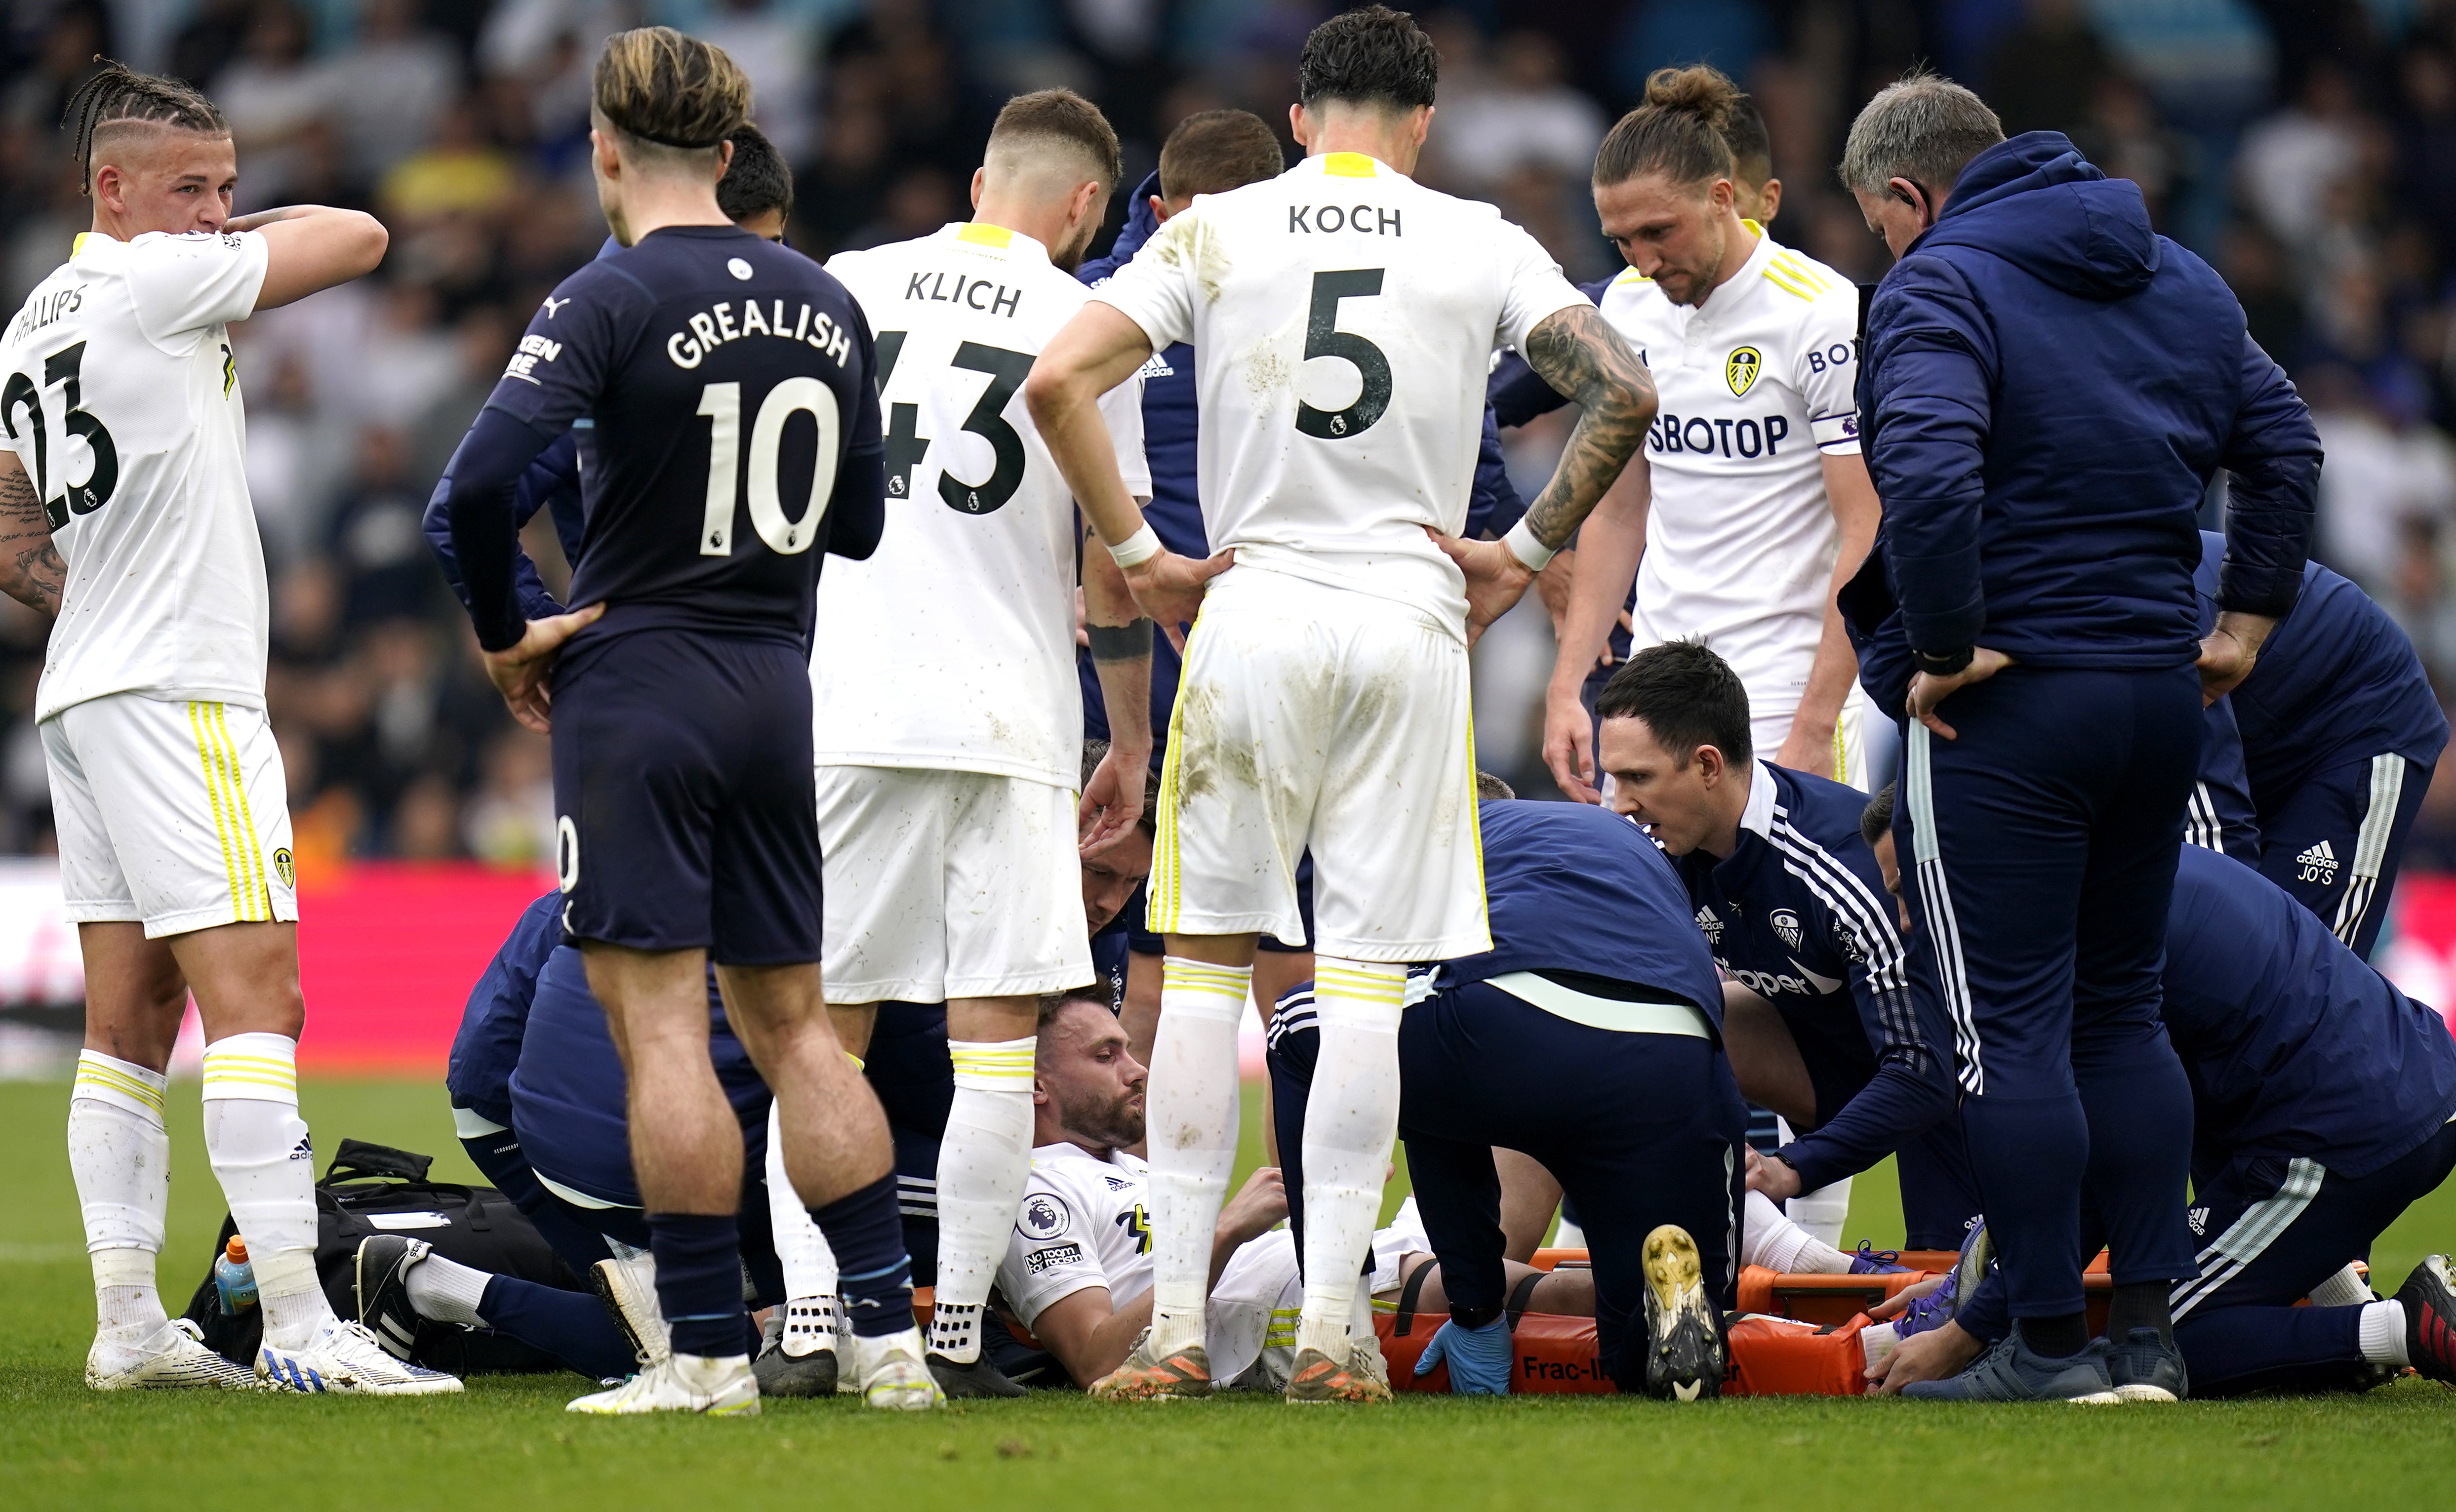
x: 1479, y: 1358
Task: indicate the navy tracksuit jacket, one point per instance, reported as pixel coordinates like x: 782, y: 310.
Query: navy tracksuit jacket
x: 2047, y: 389
x: 2333, y: 739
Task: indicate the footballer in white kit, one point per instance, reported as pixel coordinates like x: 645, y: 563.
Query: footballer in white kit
x: 1755, y: 388
x: 124, y: 511
x: 1324, y: 703
x: 949, y: 714
x: 1084, y: 1224
x: 122, y: 405
x: 1752, y: 506
x: 950, y: 729
x: 1342, y: 318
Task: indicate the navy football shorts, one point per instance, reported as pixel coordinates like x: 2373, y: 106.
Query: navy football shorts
x: 687, y: 812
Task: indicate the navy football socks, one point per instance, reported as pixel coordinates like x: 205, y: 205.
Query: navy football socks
x: 699, y: 1281
x: 571, y: 1326
x: 874, y: 1273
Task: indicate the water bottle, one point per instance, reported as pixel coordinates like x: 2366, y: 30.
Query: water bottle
x: 233, y: 1277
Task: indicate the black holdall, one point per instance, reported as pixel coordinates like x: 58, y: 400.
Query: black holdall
x: 373, y: 1188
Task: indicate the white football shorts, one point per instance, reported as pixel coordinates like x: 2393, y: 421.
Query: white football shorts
x: 172, y: 812
x: 947, y: 884
x: 1316, y: 718
x: 1250, y: 1326
x: 1848, y: 760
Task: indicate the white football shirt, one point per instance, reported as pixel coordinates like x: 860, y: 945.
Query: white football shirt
x: 1083, y: 1224
x: 1754, y: 386
x: 121, y: 400
x: 952, y: 647
x: 1343, y: 320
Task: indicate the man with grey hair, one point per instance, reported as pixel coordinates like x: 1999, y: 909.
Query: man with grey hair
x: 2046, y: 389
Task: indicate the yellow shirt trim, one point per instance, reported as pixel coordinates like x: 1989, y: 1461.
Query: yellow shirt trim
x: 988, y: 235
x: 1349, y: 165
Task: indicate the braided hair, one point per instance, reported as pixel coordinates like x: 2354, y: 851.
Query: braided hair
x: 115, y: 94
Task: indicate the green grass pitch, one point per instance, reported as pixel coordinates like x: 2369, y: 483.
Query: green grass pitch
x: 508, y: 1442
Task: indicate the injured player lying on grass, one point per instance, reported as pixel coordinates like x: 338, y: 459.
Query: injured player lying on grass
x: 1077, y: 1271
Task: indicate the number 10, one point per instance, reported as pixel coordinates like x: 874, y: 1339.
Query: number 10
x: 721, y: 404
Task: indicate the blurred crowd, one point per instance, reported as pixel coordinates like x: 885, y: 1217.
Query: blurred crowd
x: 2306, y: 147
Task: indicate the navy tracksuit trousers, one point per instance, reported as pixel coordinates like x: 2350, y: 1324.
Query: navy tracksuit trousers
x: 1639, y: 1129
x: 2269, y: 1231
x: 2336, y: 842
x: 2037, y: 852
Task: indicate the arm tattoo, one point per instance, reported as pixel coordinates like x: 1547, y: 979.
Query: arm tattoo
x: 1580, y: 355
x: 1120, y: 643
x: 31, y: 569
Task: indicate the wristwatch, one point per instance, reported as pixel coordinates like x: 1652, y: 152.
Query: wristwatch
x: 1945, y: 666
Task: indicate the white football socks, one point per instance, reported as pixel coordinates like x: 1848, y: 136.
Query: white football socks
x: 2349, y: 1287
x: 1190, y: 1131
x: 446, y: 1291
x: 983, y: 1163
x: 1824, y: 1212
x: 809, y: 1262
x: 261, y: 1154
x: 2382, y: 1334
x: 1772, y: 1241
x: 120, y: 1154
x: 1351, y: 1118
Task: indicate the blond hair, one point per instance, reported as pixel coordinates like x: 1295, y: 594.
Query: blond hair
x: 655, y: 85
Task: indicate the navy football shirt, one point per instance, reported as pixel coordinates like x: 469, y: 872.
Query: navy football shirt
x: 728, y: 380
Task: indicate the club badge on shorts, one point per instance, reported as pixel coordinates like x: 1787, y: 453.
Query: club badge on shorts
x: 282, y: 869
x: 1741, y: 368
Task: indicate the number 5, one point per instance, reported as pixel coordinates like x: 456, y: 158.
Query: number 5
x: 1324, y: 338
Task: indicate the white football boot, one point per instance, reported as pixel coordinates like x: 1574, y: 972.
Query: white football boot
x: 345, y: 1356
x: 628, y: 1289
x: 894, y: 1374
x: 173, y: 1356
x: 718, y: 1387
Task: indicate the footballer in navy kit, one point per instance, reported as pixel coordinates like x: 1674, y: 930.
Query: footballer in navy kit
x: 730, y: 381
x: 1817, y: 1009
x: 2338, y: 731
x: 1586, y: 1037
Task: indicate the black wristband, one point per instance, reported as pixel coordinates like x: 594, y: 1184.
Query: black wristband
x: 1472, y: 1318
x: 1945, y: 666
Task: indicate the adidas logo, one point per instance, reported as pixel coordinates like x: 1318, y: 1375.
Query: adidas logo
x: 2199, y: 1219
x: 1711, y: 925
x: 305, y: 1149
x: 2316, y: 864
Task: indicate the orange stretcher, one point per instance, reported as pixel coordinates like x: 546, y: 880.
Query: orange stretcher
x: 1796, y: 1336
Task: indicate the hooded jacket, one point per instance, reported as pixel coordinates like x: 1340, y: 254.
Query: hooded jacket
x: 2048, y: 387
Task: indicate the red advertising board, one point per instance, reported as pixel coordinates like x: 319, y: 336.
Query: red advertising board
x: 387, y: 954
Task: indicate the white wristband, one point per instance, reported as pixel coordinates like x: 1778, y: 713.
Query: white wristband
x: 1531, y: 554
x: 1137, y: 548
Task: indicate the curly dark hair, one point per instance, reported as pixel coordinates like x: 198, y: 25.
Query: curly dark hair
x: 1369, y: 55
